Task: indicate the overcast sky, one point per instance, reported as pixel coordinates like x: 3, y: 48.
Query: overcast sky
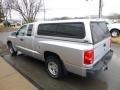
x: 76, y: 8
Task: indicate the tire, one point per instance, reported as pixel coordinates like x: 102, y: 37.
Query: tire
x: 11, y: 50
x: 54, y: 67
x: 115, y: 33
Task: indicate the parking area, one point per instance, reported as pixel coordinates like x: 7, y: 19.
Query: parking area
x: 35, y: 70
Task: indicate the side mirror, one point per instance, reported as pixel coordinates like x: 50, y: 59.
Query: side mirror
x: 14, y: 33
x: 23, y: 33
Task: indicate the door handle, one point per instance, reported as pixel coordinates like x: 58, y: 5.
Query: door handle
x: 21, y: 39
x: 104, y: 45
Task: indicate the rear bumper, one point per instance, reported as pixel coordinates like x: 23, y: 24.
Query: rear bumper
x: 101, y: 64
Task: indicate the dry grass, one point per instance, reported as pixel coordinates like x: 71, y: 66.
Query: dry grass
x: 116, y: 40
x: 7, y: 29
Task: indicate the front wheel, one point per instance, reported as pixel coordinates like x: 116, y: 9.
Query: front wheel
x: 11, y: 50
x: 54, y: 67
x: 115, y: 33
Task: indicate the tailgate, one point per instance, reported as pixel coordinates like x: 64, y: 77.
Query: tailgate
x: 100, y: 49
x: 101, y: 39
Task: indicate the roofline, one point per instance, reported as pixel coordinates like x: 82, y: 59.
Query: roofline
x: 71, y: 20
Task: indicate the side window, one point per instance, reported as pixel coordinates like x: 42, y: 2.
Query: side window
x: 22, y: 31
x: 29, y: 31
x: 46, y: 29
x: 71, y: 30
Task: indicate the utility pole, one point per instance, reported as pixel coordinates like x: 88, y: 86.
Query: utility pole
x: 100, y: 8
x: 44, y: 9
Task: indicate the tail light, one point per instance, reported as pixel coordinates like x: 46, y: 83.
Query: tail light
x: 89, y: 57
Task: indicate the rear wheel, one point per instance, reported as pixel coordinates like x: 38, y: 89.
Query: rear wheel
x: 54, y: 67
x: 11, y: 50
x: 115, y: 33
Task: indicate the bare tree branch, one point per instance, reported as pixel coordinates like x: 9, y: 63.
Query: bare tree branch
x: 28, y: 9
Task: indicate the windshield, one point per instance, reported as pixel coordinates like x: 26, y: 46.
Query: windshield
x: 99, y: 31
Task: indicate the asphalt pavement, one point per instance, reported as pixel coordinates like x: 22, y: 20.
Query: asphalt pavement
x: 35, y: 70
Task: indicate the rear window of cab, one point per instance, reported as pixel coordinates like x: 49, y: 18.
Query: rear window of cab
x: 68, y: 30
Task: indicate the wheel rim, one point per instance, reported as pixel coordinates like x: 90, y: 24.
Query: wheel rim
x: 114, y: 33
x: 53, y: 68
x: 10, y: 50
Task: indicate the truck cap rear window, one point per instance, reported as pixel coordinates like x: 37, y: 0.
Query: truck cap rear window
x: 99, y: 31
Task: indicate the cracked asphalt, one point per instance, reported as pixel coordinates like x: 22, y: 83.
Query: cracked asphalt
x: 35, y: 70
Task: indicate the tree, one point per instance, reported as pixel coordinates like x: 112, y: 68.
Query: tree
x: 28, y: 9
x: 62, y: 18
x: 6, y: 8
x: 1, y: 12
x: 114, y: 16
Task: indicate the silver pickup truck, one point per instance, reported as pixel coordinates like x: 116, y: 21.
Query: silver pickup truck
x: 79, y: 46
